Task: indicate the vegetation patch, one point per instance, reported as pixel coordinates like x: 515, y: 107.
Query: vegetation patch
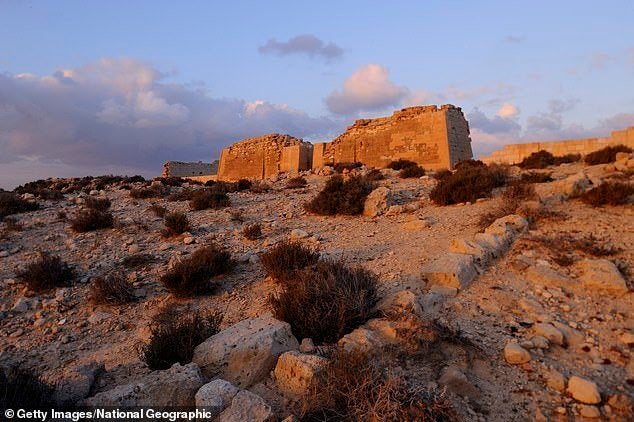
x: 609, y: 193
x: 99, y: 204
x: 112, y: 289
x: 468, y: 184
x: 296, y: 183
x: 401, y: 164
x: 411, y: 172
x: 47, y: 272
x: 22, y: 389
x: 341, y: 196
x: 175, y: 223
x: 252, y: 231
x: 209, y: 199
x: 285, y: 258
x: 605, y: 155
x: 10, y: 203
x: 346, y: 167
x: 91, y: 219
x: 158, y: 210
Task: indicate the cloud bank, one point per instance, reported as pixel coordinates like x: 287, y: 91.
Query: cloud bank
x: 307, y: 44
x: 123, y: 114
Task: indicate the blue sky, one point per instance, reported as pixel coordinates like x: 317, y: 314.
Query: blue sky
x: 94, y: 87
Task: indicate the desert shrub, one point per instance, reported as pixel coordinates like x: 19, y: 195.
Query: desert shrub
x: 243, y: 184
x: 260, y: 186
x: 61, y: 215
x: 135, y: 179
x: 175, y: 223
x: 10, y: 203
x: 341, y: 167
x: 519, y: 192
x: 608, y: 193
x: 22, y: 389
x: 512, y: 198
x: 45, y: 273
x: 99, y: 204
x: 538, y: 160
x: 442, y: 174
x: 564, y: 247
x: 192, y: 276
x: 374, y: 175
x: 237, y: 216
x: 113, y: 288
x: 400, y: 164
x: 137, y: 260
x: 534, y: 177
x: 171, y: 181
x: 12, y: 225
x: 468, y: 185
x: 154, y: 191
x: 326, y: 301
x: 91, y: 219
x: 209, y: 199
x: 410, y: 172
x: 566, y: 159
x: 174, y: 333
x: 469, y: 164
x: 252, y: 231
x: 341, y: 196
x: 296, y: 183
x: 286, y: 257
x: 605, y: 155
x: 184, y: 195
x: 361, y: 387
x: 158, y: 210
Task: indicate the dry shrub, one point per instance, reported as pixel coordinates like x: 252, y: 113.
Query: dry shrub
x: 61, y: 215
x: 341, y: 167
x: 12, y: 224
x: 296, y: 183
x: 46, y: 273
x: 175, y: 223
x: 535, y: 177
x: 326, y: 301
x: 411, y: 172
x: 400, y: 164
x: 605, y: 155
x: 22, y: 389
x: 137, y: 260
x: 469, y: 164
x: 286, y: 257
x: 468, y: 184
x: 184, y: 195
x: 538, y: 160
x: 243, y: 184
x: 209, y: 199
x: 113, y: 289
x: 175, y: 333
x: 99, y: 204
x: 260, y: 186
x: 170, y: 181
x: 341, y: 196
x: 154, y: 191
x: 10, y: 203
x: 361, y: 387
x: 237, y: 216
x: 158, y: 210
x: 565, y: 247
x: 566, y: 159
x: 193, y: 276
x: 374, y: 175
x: 91, y: 219
x: 512, y: 198
x: 608, y: 193
x: 252, y: 231
x: 442, y: 174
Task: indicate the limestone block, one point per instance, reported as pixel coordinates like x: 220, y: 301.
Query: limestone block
x: 295, y: 372
x: 552, y: 334
x: 378, y: 202
x: 247, y: 407
x: 601, y: 274
x: 584, y: 390
x: 363, y: 340
x: 546, y: 276
x: 245, y: 352
x: 400, y: 302
x: 513, y: 221
x: 516, y: 354
x: 455, y: 381
x: 452, y: 270
x: 216, y: 396
x: 495, y: 244
x: 481, y: 255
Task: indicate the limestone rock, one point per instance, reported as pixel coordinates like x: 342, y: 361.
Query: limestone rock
x: 502, y: 225
x: 495, y: 244
x: 457, y: 382
x: 544, y: 275
x: 20, y: 305
x: 555, y: 380
x: 590, y: 412
x: 570, y: 186
x: 307, y: 346
x: 452, y: 270
x: 516, y: 354
x: 481, y: 254
x: 76, y: 383
x: 216, y: 396
x: 378, y: 202
x: 583, y: 390
x: 552, y: 334
x: 172, y: 387
x: 247, y: 407
x: 296, y: 372
x: 245, y: 352
x: 601, y: 273
x: 362, y: 339
x: 416, y: 224
x: 298, y: 234
x: 401, y: 302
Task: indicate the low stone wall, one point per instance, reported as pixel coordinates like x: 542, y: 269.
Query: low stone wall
x: 515, y: 153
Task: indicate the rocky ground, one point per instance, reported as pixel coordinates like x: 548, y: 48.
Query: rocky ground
x: 526, y: 326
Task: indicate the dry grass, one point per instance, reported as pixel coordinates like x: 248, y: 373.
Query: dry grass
x: 175, y: 223
x: 401, y: 164
x: 158, y: 210
x: 154, y: 191
x: 287, y: 257
x: 346, y: 167
x: 99, y: 204
x: 252, y: 231
x: 11, y: 224
x: 137, y: 260
x: 608, y: 193
x: 565, y: 248
x: 468, y: 184
x: 175, y: 333
x: 112, y: 289
x: 605, y: 155
x: 22, y: 389
x: 296, y: 183
x: 209, y: 199
x: 374, y: 175
x: 341, y: 196
x: 411, y: 172
x: 91, y: 219
x: 46, y: 273
x: 10, y: 203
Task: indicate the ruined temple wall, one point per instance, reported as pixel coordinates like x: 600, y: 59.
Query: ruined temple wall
x: 515, y: 153
x: 182, y: 169
x: 296, y: 158
x: 434, y: 138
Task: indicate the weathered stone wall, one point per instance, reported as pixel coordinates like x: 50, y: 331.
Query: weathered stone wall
x: 264, y: 156
x: 432, y: 137
x: 515, y: 153
x: 182, y: 169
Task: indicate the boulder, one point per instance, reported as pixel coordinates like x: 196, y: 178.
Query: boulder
x: 378, y: 202
x: 555, y: 380
x: 583, y: 390
x: 296, y: 372
x: 244, y: 353
x: 572, y: 185
x: 516, y: 354
x: 495, y: 244
x: 481, y: 255
x: 363, y: 340
x: 76, y: 383
x: 172, y: 387
x: 400, y: 302
x: 216, y: 396
x: 602, y: 274
x: 552, y: 334
x: 452, y: 270
x: 416, y: 224
x: 247, y: 407
x: 544, y: 275
x: 455, y: 381
x: 513, y: 223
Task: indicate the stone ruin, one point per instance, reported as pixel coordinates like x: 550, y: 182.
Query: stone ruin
x: 182, y: 169
x: 435, y: 138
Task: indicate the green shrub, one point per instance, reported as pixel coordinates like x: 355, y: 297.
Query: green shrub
x: 341, y: 196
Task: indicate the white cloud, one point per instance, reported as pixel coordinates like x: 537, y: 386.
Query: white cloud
x: 367, y: 89
x: 508, y: 111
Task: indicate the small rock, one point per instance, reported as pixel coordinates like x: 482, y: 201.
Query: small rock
x: 298, y: 234
x: 188, y: 240
x: 98, y: 317
x: 540, y: 342
x: 134, y: 248
x: 590, y: 412
x: 583, y: 390
x: 296, y: 372
x: 552, y: 334
x: 602, y: 274
x: 457, y: 382
x: 216, y: 396
x: 20, y: 305
x: 4, y: 254
x: 555, y: 380
x: 247, y: 407
x: 307, y: 346
x: 516, y: 354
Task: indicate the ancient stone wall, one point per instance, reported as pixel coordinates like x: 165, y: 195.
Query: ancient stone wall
x: 515, y: 153
x: 182, y: 169
x: 264, y: 156
x: 432, y: 137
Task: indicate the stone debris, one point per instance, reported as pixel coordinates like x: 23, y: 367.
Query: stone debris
x: 451, y: 270
x: 247, y: 407
x: 378, y: 202
x: 295, y: 372
x: 216, y: 396
x: 516, y: 354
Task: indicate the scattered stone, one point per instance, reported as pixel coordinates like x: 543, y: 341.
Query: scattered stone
x: 189, y: 240
x: 540, y: 342
x: 552, y: 334
x: 296, y: 372
x: 590, y: 412
x: 21, y: 305
x: 378, y: 202
x: 400, y: 302
x: 555, y: 380
x: 583, y: 390
x: 544, y: 275
x: 98, y: 317
x: 516, y: 354
x: 247, y: 407
x: 452, y: 270
x: 307, y: 346
x: 297, y: 234
x: 481, y: 255
x: 76, y: 383
x: 216, y: 396
x: 245, y: 352
x: 601, y: 273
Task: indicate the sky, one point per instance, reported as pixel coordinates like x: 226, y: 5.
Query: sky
x: 120, y: 87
